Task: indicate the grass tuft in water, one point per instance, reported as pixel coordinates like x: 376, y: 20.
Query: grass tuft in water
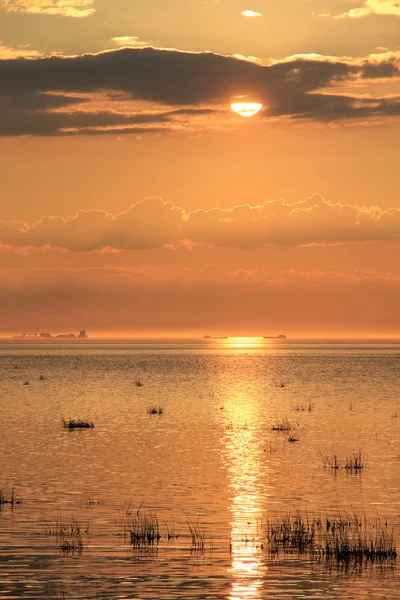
x: 302, y: 408
x: 351, y: 463
x: 72, y: 424
x: 11, y: 499
x: 92, y: 501
x: 170, y: 529
x: 154, y: 410
x: 331, y: 461
x: 198, y: 536
x: 69, y: 536
x: 343, y: 537
x: 291, y: 532
x: 354, y: 462
x: 144, y: 529
x: 283, y: 425
x: 141, y: 527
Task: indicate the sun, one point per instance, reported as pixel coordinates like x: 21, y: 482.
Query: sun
x: 246, y: 109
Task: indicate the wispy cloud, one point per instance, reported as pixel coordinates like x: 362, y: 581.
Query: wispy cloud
x: 65, y: 8
x: 208, y: 299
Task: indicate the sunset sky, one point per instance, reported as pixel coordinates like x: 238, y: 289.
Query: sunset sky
x: 134, y: 201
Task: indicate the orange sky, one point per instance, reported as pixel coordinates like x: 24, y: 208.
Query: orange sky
x: 134, y: 201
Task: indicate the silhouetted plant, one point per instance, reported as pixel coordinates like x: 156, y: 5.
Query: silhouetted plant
x: 197, y: 535
x: 351, y: 463
x: 11, y: 499
x: 283, y: 425
x: 354, y: 462
x: 72, y: 424
x: 91, y: 501
x: 342, y: 537
x: 302, y: 408
x: 69, y: 536
x: 331, y: 462
x: 154, y: 410
x: 141, y: 526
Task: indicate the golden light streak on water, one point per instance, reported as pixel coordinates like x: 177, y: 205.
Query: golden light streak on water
x: 243, y: 452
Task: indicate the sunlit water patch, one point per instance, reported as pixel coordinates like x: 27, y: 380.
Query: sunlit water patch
x: 213, y: 467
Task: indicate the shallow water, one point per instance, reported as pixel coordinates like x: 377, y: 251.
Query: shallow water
x: 211, y: 457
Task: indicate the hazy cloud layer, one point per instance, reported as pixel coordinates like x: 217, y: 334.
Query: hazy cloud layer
x: 301, y: 87
x: 153, y: 223
x: 65, y: 8
x: 299, y: 302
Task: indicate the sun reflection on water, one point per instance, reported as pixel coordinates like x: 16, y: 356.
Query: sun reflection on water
x: 243, y: 342
x: 243, y: 457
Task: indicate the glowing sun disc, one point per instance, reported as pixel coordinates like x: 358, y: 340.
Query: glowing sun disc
x: 246, y: 109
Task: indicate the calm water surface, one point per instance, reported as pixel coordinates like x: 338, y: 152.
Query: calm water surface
x: 210, y: 458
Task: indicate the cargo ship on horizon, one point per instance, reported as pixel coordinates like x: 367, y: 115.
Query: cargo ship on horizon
x: 45, y: 335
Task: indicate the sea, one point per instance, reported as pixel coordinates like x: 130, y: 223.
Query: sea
x: 209, y: 469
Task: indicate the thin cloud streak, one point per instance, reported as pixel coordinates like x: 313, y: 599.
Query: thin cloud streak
x: 47, y: 114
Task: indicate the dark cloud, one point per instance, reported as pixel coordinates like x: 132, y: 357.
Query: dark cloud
x: 170, y: 77
x: 36, y: 113
x: 153, y: 223
x: 38, y: 96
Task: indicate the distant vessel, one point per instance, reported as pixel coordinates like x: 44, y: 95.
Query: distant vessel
x: 275, y: 337
x: 45, y: 335
x: 215, y: 337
